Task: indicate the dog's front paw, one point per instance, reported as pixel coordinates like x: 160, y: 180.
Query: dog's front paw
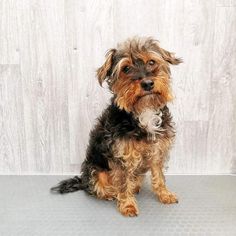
x: 128, y: 209
x: 167, y: 197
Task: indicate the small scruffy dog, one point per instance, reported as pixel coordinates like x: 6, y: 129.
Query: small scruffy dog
x: 134, y: 134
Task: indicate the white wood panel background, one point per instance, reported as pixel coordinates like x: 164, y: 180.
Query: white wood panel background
x: 49, y: 96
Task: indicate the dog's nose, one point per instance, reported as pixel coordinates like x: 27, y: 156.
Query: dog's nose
x: 147, y: 85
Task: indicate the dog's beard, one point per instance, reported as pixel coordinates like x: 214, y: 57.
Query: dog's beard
x: 150, y: 102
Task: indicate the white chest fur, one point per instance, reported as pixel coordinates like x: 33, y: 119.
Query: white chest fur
x: 151, y: 121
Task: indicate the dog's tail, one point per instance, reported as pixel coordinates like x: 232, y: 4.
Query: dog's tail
x: 69, y: 185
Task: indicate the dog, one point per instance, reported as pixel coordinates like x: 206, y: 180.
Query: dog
x: 135, y: 132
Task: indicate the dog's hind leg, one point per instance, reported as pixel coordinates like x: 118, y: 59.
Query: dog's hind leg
x: 102, y: 186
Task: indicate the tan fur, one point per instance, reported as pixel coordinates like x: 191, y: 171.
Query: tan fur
x: 102, y: 72
x: 126, y: 202
x: 129, y: 92
x: 147, y: 44
x: 159, y: 187
x: 103, y: 186
x: 137, y: 158
x: 158, y: 180
x: 138, y: 184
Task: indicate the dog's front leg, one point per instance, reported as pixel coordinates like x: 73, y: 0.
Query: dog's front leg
x: 126, y: 201
x: 159, y: 186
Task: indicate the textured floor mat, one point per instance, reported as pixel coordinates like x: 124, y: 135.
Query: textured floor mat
x: 207, y: 206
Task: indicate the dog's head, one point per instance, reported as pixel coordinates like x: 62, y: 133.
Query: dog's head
x: 138, y: 74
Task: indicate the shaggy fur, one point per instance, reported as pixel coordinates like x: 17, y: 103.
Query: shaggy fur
x: 134, y: 134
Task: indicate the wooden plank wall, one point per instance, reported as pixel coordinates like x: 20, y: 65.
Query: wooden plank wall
x: 49, y: 96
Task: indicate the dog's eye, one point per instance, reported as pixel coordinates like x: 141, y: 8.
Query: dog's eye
x: 126, y: 69
x: 151, y: 62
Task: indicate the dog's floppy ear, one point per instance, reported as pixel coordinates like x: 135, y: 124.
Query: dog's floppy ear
x: 169, y: 56
x: 104, y: 71
x: 166, y: 55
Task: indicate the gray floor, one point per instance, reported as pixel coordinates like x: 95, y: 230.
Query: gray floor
x: 207, y: 206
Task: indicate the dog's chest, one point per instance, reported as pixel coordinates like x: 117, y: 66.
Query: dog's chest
x: 151, y: 121
x: 136, y: 156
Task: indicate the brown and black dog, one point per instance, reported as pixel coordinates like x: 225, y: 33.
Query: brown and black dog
x: 134, y: 134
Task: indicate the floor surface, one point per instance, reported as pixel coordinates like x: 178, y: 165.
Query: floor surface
x: 207, y: 206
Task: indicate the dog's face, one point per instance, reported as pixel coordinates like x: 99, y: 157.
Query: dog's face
x: 138, y: 73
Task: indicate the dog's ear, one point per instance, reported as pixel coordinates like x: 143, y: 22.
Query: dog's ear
x: 105, y: 70
x: 169, y: 57
x: 166, y: 55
